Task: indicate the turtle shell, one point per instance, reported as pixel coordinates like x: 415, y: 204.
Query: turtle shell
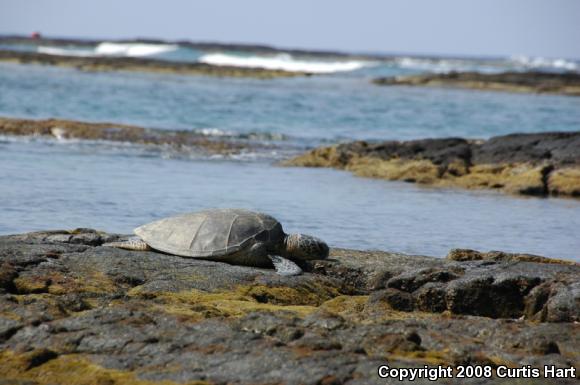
x: 210, y: 233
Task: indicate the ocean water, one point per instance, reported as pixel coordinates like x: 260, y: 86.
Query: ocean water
x: 315, y: 109
x: 50, y: 183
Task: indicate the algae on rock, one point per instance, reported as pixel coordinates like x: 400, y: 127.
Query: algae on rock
x: 74, y: 312
x: 526, y: 164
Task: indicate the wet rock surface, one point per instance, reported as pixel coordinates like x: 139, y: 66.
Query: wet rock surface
x: 529, y: 164
x: 72, y: 311
x: 532, y: 81
x: 140, y: 65
x: 178, y: 141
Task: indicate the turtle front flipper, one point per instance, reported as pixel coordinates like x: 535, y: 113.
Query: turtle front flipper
x: 135, y: 243
x: 285, y: 266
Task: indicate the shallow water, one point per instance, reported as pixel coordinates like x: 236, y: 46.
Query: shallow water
x: 48, y: 184
x: 64, y: 185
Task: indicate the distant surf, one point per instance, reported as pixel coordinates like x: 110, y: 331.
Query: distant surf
x: 284, y: 62
x: 316, y: 65
x: 65, y: 51
x: 113, y: 49
x: 132, y: 49
x: 516, y: 63
x: 444, y: 65
x: 544, y: 63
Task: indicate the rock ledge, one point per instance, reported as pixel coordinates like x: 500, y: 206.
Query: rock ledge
x: 535, y: 82
x: 72, y: 311
x: 544, y: 164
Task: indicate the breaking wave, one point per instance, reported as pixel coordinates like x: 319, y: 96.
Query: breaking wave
x: 517, y: 63
x: 423, y: 64
x: 544, y: 63
x: 284, y: 62
x: 444, y: 65
x: 65, y: 51
x: 113, y: 49
x: 133, y: 49
x: 254, y: 136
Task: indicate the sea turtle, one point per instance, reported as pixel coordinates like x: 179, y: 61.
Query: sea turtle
x: 235, y: 236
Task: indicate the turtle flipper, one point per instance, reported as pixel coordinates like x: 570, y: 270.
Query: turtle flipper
x: 285, y: 266
x: 134, y: 243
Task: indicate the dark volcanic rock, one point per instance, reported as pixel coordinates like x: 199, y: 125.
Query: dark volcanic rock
x: 532, y: 81
x: 530, y: 164
x: 559, y: 148
x: 69, y: 307
x: 438, y: 151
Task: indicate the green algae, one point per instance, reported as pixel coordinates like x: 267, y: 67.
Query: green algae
x: 45, y: 367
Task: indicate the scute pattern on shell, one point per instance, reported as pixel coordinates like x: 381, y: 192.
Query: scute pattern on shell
x: 214, y: 232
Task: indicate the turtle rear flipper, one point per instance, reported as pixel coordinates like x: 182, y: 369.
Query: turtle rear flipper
x: 285, y: 266
x: 136, y: 244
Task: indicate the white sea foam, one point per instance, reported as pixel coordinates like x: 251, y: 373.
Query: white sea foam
x: 65, y: 51
x: 519, y: 62
x: 133, y: 49
x: 213, y: 132
x: 284, y: 62
x: 258, y: 136
x: 443, y: 65
x: 112, y: 49
x: 425, y: 64
x: 541, y: 62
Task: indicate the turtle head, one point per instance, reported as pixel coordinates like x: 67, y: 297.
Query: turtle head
x: 306, y: 247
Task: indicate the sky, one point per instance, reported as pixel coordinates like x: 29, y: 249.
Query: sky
x: 548, y: 28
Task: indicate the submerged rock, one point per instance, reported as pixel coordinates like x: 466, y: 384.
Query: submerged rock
x: 532, y: 81
x: 528, y: 164
x: 179, y: 141
x: 72, y: 311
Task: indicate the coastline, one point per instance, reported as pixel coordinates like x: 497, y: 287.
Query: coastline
x: 543, y: 164
x: 70, y: 306
x: 96, y: 64
x: 567, y: 84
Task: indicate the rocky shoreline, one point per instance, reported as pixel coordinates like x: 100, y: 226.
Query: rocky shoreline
x: 72, y: 311
x: 544, y: 164
x: 535, y: 82
x: 180, y: 141
x: 95, y: 64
